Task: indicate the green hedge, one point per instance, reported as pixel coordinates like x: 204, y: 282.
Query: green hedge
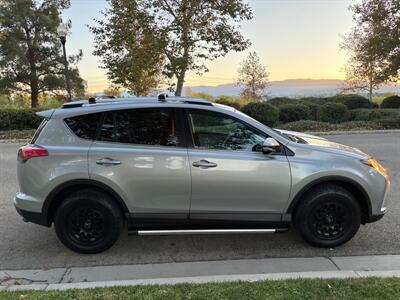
x: 351, y: 101
x: 309, y: 125
x: 13, y: 118
x: 293, y: 112
x: 391, y: 102
x: 231, y: 103
x: 262, y: 112
x: 333, y: 113
x: 364, y: 114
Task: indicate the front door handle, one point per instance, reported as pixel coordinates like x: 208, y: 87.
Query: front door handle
x: 106, y: 161
x: 204, y: 164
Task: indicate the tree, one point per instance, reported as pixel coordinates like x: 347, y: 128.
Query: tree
x: 129, y: 47
x: 186, y: 33
x: 362, y: 69
x: 30, y: 50
x: 113, y: 91
x: 253, y: 77
x: 374, y: 43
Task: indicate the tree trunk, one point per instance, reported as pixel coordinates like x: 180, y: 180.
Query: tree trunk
x: 371, y: 89
x: 34, y: 98
x: 34, y: 85
x: 33, y: 76
x: 179, y: 84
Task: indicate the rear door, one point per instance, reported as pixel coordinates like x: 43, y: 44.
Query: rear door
x: 232, y: 180
x: 140, y: 154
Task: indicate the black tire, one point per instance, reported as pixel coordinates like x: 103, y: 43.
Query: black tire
x: 88, y: 221
x: 328, y: 216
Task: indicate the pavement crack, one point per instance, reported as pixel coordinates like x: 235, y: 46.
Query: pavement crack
x: 9, y: 280
x: 64, y: 274
x: 333, y: 262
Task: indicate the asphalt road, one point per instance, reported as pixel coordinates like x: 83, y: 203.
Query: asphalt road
x: 26, y: 246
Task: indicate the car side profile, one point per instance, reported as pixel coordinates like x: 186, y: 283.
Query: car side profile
x: 175, y: 165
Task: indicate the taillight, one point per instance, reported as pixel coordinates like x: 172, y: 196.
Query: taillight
x: 29, y: 151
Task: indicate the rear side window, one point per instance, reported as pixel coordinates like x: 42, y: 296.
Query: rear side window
x: 38, y: 131
x: 84, y: 126
x: 150, y: 126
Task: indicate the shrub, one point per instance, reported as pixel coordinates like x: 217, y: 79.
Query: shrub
x: 232, y: 103
x: 391, y: 102
x: 315, y: 126
x: 388, y: 123
x: 279, y: 101
x: 307, y: 125
x: 262, y: 112
x: 13, y: 118
x: 364, y: 114
x: 374, y: 105
x: 293, y: 112
x: 313, y: 100
x: 333, y: 113
x: 312, y: 110
x: 351, y: 101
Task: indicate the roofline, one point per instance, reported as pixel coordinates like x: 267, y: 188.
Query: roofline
x: 95, y: 101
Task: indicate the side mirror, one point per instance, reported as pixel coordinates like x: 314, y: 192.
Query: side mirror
x: 270, y: 145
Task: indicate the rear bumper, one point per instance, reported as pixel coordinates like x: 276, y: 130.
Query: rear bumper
x: 30, y: 209
x: 33, y: 217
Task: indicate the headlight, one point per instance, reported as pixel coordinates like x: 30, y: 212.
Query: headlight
x: 373, y: 163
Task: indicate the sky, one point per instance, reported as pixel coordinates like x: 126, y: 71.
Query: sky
x: 295, y: 39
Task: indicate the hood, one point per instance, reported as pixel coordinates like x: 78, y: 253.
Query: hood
x: 320, y: 143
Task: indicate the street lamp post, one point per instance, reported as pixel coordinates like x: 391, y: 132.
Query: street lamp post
x: 62, y: 31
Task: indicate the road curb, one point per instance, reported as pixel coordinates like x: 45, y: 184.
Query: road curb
x: 206, y: 279
x: 249, y: 270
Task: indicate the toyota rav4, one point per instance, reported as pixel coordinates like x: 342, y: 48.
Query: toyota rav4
x: 183, y: 165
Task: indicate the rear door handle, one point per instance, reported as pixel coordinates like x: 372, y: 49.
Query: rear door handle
x: 106, y: 161
x: 204, y: 164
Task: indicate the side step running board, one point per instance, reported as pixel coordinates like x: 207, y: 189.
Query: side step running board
x: 205, y: 231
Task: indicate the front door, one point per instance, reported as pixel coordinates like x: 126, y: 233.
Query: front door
x: 139, y: 154
x: 233, y: 182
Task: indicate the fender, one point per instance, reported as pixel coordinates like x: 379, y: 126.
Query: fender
x: 51, y: 202
x: 347, y: 182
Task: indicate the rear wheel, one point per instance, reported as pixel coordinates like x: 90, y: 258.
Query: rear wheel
x: 88, y: 221
x: 328, y: 216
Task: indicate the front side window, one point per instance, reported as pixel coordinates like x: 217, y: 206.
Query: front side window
x: 155, y: 126
x: 211, y: 130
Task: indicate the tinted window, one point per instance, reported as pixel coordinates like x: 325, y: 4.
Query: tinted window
x: 84, y: 126
x: 141, y: 126
x: 38, y: 131
x: 218, y: 131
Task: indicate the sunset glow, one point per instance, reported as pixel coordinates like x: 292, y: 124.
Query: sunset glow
x: 294, y: 39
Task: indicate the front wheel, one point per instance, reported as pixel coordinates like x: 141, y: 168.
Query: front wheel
x: 328, y: 216
x: 88, y: 221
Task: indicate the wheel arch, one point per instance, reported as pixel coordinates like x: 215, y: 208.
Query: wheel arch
x: 54, y: 199
x: 349, y: 184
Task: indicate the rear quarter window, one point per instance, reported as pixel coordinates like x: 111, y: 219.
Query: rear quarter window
x: 38, y: 131
x: 84, y: 126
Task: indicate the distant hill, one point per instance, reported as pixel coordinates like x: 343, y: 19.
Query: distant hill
x: 290, y: 88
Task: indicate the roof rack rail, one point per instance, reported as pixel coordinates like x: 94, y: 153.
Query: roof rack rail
x: 162, y: 97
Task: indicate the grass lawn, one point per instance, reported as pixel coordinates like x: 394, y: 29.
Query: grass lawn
x: 368, y: 288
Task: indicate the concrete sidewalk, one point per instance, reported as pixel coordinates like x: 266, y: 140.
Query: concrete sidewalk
x: 201, y: 272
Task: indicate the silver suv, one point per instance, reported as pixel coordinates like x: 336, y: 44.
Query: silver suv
x: 182, y: 165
